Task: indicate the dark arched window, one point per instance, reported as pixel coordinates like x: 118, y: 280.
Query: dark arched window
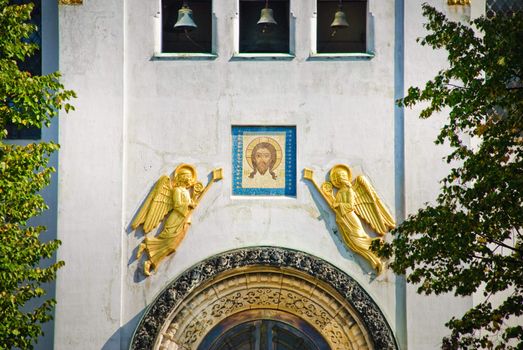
x: 251, y: 330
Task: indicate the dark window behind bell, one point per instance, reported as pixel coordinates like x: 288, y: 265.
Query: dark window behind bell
x: 343, y: 39
x: 264, y: 37
x: 185, y: 39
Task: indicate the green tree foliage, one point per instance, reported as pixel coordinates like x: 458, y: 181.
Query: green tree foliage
x: 471, y: 239
x: 25, y: 100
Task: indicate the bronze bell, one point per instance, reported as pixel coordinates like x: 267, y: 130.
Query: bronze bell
x: 185, y: 21
x: 340, y: 20
x: 266, y: 18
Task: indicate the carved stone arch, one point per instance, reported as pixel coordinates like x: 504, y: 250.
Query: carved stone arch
x: 267, y: 279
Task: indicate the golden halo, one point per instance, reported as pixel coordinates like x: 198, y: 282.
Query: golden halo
x: 258, y: 140
x: 189, y: 167
x: 336, y: 168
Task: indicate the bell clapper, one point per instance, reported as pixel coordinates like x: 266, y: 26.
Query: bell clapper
x: 264, y: 29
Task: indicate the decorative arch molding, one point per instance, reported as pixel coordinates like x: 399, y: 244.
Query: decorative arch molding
x: 265, y: 279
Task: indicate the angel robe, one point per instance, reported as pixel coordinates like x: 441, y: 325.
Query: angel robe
x: 174, y: 230
x: 351, y: 229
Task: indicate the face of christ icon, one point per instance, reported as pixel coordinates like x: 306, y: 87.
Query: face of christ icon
x: 264, y: 155
x: 263, y: 159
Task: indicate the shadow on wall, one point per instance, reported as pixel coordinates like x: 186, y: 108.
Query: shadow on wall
x: 121, y: 339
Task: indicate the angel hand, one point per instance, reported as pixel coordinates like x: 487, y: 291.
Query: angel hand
x: 147, y: 268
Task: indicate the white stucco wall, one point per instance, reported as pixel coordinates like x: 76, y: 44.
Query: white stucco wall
x: 182, y: 111
x: 138, y: 118
x: 90, y: 223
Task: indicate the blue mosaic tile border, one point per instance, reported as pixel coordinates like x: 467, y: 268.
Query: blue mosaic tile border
x: 290, y: 160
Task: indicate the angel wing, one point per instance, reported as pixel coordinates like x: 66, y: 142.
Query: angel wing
x: 370, y: 208
x: 156, y: 206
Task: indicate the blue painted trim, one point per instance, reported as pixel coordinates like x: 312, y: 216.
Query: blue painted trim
x: 399, y: 162
x: 290, y: 160
x: 50, y: 52
x: 399, y: 113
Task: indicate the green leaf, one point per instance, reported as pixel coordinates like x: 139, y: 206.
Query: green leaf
x: 472, y: 237
x: 24, y: 172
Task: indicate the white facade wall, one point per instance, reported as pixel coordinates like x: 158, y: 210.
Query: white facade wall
x: 138, y: 117
x: 90, y: 194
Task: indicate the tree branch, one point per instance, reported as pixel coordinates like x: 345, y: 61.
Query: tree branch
x: 491, y: 240
x: 456, y: 86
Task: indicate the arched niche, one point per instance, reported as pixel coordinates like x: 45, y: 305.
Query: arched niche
x: 269, y: 281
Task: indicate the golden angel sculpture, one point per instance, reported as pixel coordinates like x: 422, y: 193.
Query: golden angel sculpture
x: 352, y: 201
x: 177, y: 197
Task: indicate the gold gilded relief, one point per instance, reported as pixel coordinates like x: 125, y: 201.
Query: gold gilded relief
x: 353, y: 201
x: 70, y: 2
x: 175, y: 198
x: 458, y: 2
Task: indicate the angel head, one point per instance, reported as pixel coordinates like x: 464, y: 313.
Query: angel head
x: 340, y: 176
x: 185, y: 175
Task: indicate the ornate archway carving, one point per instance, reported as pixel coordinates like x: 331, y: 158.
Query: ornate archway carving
x: 264, y: 278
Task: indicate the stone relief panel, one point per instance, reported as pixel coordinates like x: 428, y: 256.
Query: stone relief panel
x: 262, y: 288
x: 266, y: 278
